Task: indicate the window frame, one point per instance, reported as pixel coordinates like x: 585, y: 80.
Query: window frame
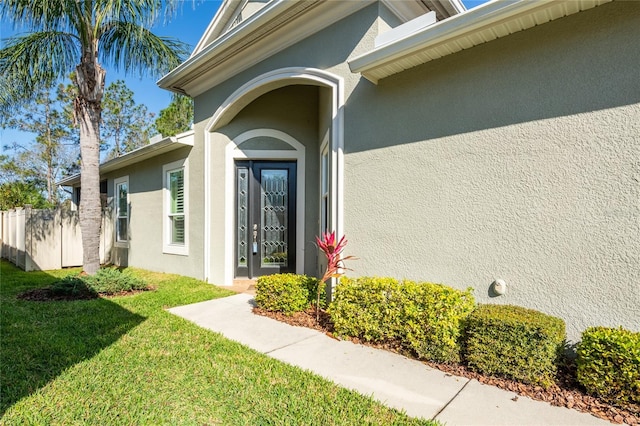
x: 169, y: 247
x: 325, y: 181
x: 117, y: 213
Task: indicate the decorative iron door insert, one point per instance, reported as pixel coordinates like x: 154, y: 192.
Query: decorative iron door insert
x: 265, y: 218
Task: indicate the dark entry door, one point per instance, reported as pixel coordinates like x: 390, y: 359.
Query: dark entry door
x: 265, y: 218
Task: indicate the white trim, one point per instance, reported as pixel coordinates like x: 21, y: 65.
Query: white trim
x: 167, y: 246
x: 242, y: 97
x: 278, y: 25
x: 476, y: 26
x: 405, y: 30
x: 137, y: 155
x: 405, y: 10
x: 116, y: 182
x: 207, y: 207
x: 219, y: 22
x: 233, y: 152
x: 324, y: 189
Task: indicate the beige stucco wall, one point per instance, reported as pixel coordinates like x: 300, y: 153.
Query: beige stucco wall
x: 304, y: 112
x: 146, y: 215
x: 294, y: 111
x: 518, y: 159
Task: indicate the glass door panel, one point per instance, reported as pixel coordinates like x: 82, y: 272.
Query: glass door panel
x: 265, y: 218
x: 274, y: 195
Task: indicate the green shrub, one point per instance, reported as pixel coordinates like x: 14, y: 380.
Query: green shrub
x: 113, y: 281
x: 71, y: 285
x: 608, y: 364
x: 515, y: 342
x: 433, y: 317
x: 423, y: 317
x: 286, y: 293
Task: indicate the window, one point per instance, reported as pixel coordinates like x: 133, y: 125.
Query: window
x: 175, y: 208
x: 324, y: 190
x: 122, y: 209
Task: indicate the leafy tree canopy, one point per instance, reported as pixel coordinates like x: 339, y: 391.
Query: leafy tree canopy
x: 19, y: 194
x: 40, y: 161
x: 176, y: 118
x: 125, y: 124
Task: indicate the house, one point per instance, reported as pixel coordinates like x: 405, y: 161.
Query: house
x: 461, y: 147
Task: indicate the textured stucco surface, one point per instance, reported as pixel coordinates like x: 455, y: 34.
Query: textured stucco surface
x: 146, y: 214
x: 518, y: 159
x: 292, y: 110
x: 300, y: 111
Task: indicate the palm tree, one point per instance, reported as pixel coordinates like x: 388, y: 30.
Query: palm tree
x: 75, y: 36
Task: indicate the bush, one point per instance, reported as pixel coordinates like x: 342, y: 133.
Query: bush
x: 423, y: 317
x: 514, y: 342
x: 113, y: 281
x: 286, y: 293
x: 71, y: 285
x: 608, y: 364
x: 105, y: 281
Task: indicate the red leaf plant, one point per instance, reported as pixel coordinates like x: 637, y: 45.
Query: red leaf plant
x: 332, y: 249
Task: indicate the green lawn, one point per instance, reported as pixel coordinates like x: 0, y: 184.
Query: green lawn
x: 125, y: 360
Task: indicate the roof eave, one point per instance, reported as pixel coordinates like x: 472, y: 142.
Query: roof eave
x: 476, y: 26
x: 143, y: 153
x: 181, y: 79
x: 176, y: 78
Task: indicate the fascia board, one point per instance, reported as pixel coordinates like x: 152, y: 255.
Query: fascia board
x: 462, y: 24
x: 457, y: 27
x: 405, y: 10
x: 69, y: 180
x: 218, y: 23
x: 245, y: 28
x: 197, y: 74
x: 143, y: 153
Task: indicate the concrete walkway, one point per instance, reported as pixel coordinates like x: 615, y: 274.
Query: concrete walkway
x: 392, y: 379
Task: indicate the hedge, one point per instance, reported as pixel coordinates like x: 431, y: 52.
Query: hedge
x: 425, y: 318
x: 286, y: 293
x: 514, y: 342
x: 608, y: 364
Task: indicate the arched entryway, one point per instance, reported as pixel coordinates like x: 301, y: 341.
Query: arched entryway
x: 272, y: 151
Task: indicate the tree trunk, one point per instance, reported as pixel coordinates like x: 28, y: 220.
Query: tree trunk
x: 88, y: 108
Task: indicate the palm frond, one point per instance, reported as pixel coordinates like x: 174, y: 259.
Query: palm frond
x: 141, y: 12
x: 134, y: 49
x: 38, y: 15
x: 33, y: 61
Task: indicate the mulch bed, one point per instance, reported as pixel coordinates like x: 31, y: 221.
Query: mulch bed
x: 566, y: 393
x: 46, y: 295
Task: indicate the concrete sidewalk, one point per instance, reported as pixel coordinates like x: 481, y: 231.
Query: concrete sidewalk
x: 394, y: 380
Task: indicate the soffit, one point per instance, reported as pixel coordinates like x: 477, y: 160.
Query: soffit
x: 477, y: 26
x: 144, y: 153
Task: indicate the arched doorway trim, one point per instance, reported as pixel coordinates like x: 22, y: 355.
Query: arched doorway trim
x: 242, y: 97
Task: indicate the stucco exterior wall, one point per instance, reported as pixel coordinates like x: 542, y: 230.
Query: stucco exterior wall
x: 146, y: 215
x: 347, y: 38
x: 301, y: 111
x: 294, y: 111
x: 518, y: 159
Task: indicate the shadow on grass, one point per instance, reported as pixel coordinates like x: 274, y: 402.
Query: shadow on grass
x: 39, y: 340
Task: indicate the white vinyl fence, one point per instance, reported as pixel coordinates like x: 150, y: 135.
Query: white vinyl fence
x: 47, y: 239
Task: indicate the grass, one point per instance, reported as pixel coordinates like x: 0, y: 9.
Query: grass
x: 125, y: 360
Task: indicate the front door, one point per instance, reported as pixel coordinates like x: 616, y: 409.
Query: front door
x: 265, y: 225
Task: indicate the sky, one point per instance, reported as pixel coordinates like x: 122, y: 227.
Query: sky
x: 188, y: 25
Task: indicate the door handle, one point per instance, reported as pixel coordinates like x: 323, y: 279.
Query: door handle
x: 255, y: 238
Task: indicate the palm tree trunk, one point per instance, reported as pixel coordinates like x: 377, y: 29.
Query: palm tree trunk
x: 90, y: 81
